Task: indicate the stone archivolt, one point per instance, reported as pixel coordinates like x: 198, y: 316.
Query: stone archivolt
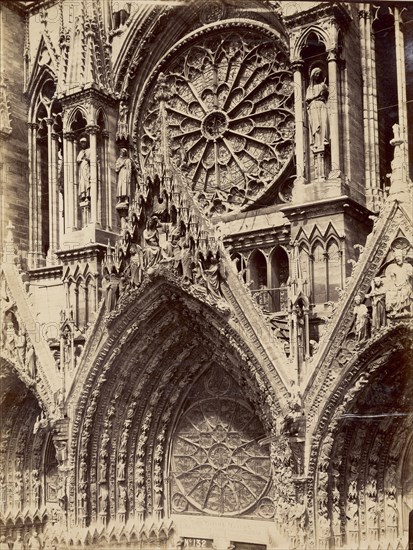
x: 128, y: 442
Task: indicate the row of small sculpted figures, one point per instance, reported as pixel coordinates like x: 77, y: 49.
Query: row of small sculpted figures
x: 391, y: 297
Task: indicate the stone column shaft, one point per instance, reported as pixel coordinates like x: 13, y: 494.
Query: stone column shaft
x: 401, y: 83
x: 106, y: 172
x: 299, y: 119
x: 93, y: 175
x: 32, y: 194
x: 333, y: 112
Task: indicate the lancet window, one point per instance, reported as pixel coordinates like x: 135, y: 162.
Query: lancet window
x: 327, y: 271
x: 81, y: 297
x: 258, y: 278
x: 389, y: 26
x: 46, y: 167
x: 279, y: 279
x: 334, y: 271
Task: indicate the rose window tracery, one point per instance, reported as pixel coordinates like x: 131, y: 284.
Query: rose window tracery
x: 218, y: 466
x: 227, y: 110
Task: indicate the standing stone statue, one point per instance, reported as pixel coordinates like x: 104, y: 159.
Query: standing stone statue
x: 361, y: 326
x: 83, y: 161
x: 121, y: 13
x: 122, y: 130
x: 316, y: 98
x: 123, y: 168
x: 399, y: 285
x: 378, y: 303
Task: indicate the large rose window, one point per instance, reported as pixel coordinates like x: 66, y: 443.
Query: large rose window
x: 218, y: 466
x: 227, y: 110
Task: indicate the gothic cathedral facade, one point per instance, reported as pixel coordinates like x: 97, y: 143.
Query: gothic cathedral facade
x: 206, y: 277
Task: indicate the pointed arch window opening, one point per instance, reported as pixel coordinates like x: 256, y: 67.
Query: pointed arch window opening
x: 327, y: 275
x: 240, y: 264
x: 319, y: 274
x: 268, y: 279
x: 279, y: 277
x: 314, y: 55
x: 258, y: 278
x: 45, y: 160
x: 86, y: 173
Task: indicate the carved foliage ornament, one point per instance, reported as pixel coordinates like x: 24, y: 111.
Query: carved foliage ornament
x: 226, y: 106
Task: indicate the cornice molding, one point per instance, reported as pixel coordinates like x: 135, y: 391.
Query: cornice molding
x: 323, y: 10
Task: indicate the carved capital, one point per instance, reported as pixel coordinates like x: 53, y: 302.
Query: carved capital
x: 69, y: 136
x: 332, y: 55
x: 297, y: 65
x: 92, y: 129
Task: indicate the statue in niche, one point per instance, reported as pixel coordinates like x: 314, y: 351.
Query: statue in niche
x: 122, y: 131
x: 378, y: 302
x: 173, y: 247
x: 36, y: 488
x: 121, y: 469
x: 211, y: 273
x: 31, y: 360
x: 134, y: 226
x: 103, y: 500
x: 83, y: 161
x: 187, y: 255
x: 112, y: 290
x: 361, y: 326
x: 316, y: 98
x: 136, y: 265
x: 152, y: 250
x: 123, y: 168
x: 122, y: 499
x: 399, y: 285
x: 103, y: 465
x: 21, y: 345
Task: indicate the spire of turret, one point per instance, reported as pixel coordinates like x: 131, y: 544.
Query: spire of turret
x: 89, y: 63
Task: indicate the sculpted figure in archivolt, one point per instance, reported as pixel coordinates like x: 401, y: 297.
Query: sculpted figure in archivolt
x: 316, y: 98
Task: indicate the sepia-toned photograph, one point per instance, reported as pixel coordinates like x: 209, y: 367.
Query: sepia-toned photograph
x: 206, y: 275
